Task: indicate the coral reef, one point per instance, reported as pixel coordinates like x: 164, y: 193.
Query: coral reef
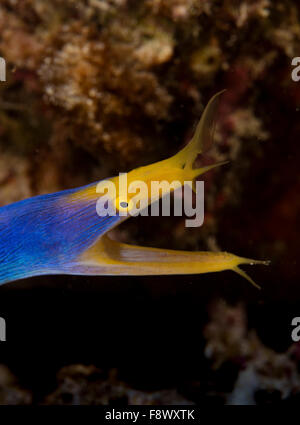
x: 264, y: 376
x: 86, y: 385
x: 242, y: 371
x: 10, y: 391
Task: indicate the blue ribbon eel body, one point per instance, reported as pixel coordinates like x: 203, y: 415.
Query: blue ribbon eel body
x: 63, y: 233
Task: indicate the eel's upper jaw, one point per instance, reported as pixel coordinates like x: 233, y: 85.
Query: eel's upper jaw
x: 178, y: 168
x: 198, y: 171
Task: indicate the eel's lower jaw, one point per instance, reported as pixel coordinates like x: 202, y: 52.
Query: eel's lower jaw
x: 109, y: 257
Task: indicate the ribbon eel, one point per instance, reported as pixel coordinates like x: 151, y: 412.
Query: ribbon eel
x: 62, y: 233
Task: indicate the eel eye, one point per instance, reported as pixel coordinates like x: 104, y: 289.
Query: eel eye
x: 124, y: 205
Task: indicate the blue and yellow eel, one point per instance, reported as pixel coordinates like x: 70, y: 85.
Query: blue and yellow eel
x: 61, y: 233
